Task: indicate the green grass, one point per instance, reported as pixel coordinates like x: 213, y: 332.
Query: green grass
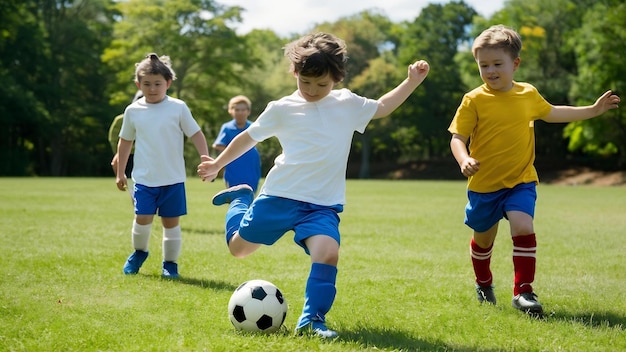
x: 405, y: 280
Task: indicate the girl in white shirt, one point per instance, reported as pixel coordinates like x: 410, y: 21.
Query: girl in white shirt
x: 158, y: 124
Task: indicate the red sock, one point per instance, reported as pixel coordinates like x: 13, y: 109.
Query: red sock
x: 481, y: 260
x: 524, y: 258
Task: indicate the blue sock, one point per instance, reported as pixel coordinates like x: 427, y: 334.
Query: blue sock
x: 236, y: 210
x: 319, y: 294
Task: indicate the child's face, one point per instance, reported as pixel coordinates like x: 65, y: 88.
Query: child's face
x: 154, y: 88
x: 496, y: 68
x: 313, y: 89
x: 239, y: 112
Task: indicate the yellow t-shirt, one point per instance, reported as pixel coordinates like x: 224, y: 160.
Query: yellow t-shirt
x: 501, y: 131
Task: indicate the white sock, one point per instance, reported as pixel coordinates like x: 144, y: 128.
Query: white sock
x: 172, y: 243
x: 141, y: 236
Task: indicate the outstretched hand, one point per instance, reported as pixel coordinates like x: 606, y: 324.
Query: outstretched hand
x: 418, y: 71
x: 607, y: 101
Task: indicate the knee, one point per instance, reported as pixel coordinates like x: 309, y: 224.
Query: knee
x: 240, y: 248
x: 237, y: 252
x: 521, y: 230
x: 327, y: 257
x: 483, y: 242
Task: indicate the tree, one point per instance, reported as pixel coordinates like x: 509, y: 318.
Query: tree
x: 209, y: 58
x: 436, y: 36
x: 21, y: 42
x: 599, y: 47
x: 52, y: 69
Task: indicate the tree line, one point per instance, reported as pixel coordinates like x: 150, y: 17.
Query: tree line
x: 67, y: 70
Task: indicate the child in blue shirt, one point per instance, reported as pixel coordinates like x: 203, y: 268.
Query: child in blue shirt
x: 247, y: 168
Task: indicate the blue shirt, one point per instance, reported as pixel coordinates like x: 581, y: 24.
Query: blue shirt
x: 247, y: 168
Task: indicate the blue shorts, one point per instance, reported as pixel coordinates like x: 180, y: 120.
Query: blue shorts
x: 169, y: 200
x: 269, y: 218
x: 483, y: 210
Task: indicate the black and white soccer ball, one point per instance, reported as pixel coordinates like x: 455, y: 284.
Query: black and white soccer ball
x: 257, y: 306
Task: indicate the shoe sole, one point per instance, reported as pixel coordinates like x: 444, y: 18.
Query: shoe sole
x: 226, y: 196
x: 536, y: 312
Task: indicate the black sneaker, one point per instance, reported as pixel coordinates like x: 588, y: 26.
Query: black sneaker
x: 527, y: 303
x: 485, y: 294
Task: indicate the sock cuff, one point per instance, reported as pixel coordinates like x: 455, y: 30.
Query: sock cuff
x: 525, y: 241
x: 475, y: 248
x: 324, y: 272
x: 172, y: 233
x: 139, y: 227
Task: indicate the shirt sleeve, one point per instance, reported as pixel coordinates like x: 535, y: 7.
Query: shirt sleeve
x: 188, y: 124
x: 465, y: 118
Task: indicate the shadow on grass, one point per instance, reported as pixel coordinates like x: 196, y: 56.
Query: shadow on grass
x: 395, y: 340
x: 208, y: 284
x: 204, y: 231
x: 593, y: 319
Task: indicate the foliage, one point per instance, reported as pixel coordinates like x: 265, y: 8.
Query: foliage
x: 19, y: 104
x: 51, y: 67
x: 599, y: 47
x: 207, y: 56
x: 435, y: 36
x: 67, y: 69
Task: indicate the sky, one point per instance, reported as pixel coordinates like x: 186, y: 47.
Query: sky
x: 286, y: 17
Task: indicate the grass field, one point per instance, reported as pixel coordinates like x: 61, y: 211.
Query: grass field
x: 405, y: 281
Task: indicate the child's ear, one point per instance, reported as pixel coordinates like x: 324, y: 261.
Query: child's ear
x: 516, y: 63
x: 169, y: 83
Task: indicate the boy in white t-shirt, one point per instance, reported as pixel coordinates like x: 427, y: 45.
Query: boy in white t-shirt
x: 305, y: 189
x: 158, y: 124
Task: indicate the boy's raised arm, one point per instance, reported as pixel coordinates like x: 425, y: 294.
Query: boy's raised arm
x: 417, y: 72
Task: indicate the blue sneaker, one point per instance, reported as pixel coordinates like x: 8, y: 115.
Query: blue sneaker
x: 134, y: 262
x: 317, y: 328
x: 229, y: 194
x: 170, y: 270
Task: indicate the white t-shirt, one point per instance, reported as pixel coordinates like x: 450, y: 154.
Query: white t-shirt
x: 158, y: 131
x: 316, y: 139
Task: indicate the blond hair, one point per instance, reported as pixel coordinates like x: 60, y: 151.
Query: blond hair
x: 499, y: 37
x: 238, y: 100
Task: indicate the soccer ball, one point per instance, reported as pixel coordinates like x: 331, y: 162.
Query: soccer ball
x: 257, y: 306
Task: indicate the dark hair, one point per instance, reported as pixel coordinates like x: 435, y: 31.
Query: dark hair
x: 318, y: 54
x: 154, y: 65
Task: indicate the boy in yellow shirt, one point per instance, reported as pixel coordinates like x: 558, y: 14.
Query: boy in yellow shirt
x: 497, y: 119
